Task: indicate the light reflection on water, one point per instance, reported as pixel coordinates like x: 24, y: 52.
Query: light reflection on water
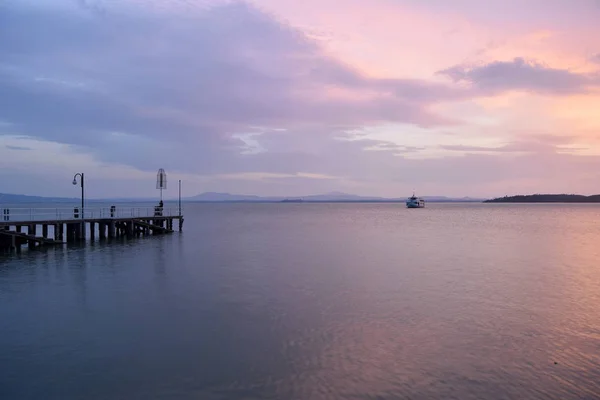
x: 314, y: 301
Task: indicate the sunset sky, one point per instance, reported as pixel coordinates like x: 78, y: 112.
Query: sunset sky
x: 288, y: 97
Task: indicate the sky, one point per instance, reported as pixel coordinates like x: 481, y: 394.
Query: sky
x: 290, y: 98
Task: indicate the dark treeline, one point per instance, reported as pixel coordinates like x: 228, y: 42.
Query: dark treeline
x: 547, y: 198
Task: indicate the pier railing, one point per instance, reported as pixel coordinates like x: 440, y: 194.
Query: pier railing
x: 15, y: 214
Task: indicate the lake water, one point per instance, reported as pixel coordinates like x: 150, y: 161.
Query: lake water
x: 314, y: 301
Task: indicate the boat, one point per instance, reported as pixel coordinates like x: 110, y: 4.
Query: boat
x: 415, y: 202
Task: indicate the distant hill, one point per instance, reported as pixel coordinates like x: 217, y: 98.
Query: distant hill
x: 547, y: 198
x: 21, y: 198
x: 215, y: 197
x: 6, y: 198
x: 328, y: 197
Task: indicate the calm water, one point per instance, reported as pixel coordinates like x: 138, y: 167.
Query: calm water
x: 314, y: 301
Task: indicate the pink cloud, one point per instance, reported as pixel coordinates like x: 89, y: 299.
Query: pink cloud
x: 524, y: 75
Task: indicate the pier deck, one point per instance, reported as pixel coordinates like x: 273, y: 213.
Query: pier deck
x: 21, y: 226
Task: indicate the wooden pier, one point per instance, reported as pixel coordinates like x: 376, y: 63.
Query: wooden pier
x: 33, y: 228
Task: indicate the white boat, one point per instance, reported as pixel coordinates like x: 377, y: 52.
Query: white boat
x: 415, y: 202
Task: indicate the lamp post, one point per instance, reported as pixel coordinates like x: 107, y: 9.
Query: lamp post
x: 81, y: 179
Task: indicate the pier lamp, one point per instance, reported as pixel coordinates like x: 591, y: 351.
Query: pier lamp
x: 80, y: 174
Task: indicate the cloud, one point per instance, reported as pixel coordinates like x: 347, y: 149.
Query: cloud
x: 132, y: 86
x: 525, y: 144
x: 219, y: 69
x: 521, y: 74
x: 465, y: 148
x: 524, y: 147
x: 18, y: 148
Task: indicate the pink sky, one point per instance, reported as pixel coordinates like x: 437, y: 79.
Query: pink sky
x: 280, y: 97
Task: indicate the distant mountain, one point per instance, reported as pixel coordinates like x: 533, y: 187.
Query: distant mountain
x: 547, y: 198
x: 214, y: 196
x: 6, y: 198
x: 228, y: 197
x: 129, y: 200
x: 328, y: 197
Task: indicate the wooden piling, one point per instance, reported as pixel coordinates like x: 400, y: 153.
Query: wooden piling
x: 70, y: 233
x: 58, y: 232
x: 31, y: 231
